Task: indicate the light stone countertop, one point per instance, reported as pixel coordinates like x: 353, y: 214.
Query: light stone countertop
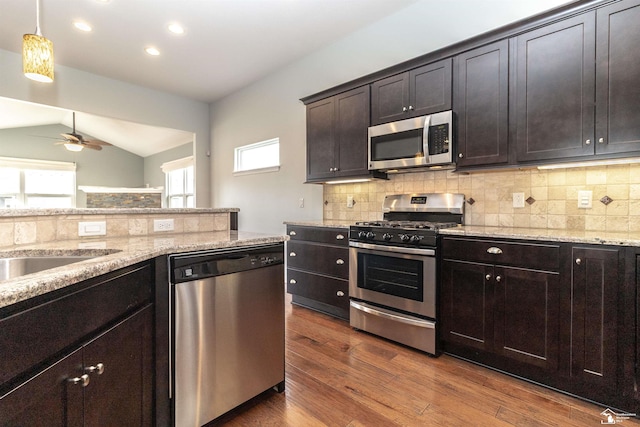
x: 553, y: 235
x: 322, y: 223
x: 112, y: 254
x: 110, y: 211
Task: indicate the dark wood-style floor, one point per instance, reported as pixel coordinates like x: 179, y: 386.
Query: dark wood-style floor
x: 336, y: 376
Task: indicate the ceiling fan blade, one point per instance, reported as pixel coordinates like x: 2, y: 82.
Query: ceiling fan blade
x: 70, y: 137
x: 96, y: 142
x: 93, y: 147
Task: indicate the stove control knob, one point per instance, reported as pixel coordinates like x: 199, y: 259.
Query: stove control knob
x: 387, y: 236
x: 405, y: 237
x: 371, y: 235
x: 415, y: 239
x: 362, y: 235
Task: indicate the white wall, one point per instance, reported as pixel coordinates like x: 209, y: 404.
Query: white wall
x: 77, y: 90
x: 270, y: 108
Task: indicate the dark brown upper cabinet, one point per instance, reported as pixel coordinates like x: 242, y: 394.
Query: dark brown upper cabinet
x: 481, y: 102
x: 337, y: 136
x: 417, y: 92
x: 618, y: 78
x: 576, y: 86
x: 553, y: 96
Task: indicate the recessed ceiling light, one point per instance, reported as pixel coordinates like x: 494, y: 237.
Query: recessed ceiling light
x: 176, y: 28
x: 152, y: 51
x: 82, y: 26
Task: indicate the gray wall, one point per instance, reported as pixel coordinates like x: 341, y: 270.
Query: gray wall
x: 111, y: 167
x: 270, y: 107
x: 81, y: 91
x: 153, y: 175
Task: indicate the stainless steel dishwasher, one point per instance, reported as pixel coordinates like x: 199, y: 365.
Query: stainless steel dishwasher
x: 227, y: 329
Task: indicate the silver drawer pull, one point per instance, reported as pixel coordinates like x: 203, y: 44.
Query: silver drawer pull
x: 498, y: 278
x: 292, y: 254
x: 292, y: 233
x: 340, y: 293
x: 494, y: 250
x: 98, y: 369
x: 293, y: 281
x: 578, y: 261
x: 83, y: 380
x: 487, y: 277
x: 339, y: 261
x: 340, y: 237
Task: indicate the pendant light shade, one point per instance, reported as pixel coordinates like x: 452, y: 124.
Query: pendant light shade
x: 37, y: 54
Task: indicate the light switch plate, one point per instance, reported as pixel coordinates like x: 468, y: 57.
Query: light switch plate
x: 349, y: 201
x: 585, y: 199
x: 518, y: 200
x: 92, y: 228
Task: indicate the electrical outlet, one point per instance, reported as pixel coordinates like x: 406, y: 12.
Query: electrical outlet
x: 518, y: 200
x: 301, y: 202
x: 585, y: 199
x: 350, y: 201
x: 163, y: 225
x: 92, y: 228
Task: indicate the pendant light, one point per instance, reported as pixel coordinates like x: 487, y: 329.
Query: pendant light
x: 37, y: 54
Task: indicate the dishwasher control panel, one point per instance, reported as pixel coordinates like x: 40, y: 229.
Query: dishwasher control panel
x: 199, y: 265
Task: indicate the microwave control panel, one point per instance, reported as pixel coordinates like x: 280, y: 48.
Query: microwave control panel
x: 438, y: 139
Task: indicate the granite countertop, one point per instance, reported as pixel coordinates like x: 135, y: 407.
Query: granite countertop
x: 112, y: 254
x: 554, y: 235
x: 322, y: 223
x: 109, y: 211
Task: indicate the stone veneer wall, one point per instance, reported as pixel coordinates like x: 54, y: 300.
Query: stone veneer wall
x: 124, y: 200
x: 17, y: 230
x: 555, y: 193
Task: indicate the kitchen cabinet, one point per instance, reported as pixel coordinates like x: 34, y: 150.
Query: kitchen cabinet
x: 501, y: 298
x: 337, y: 136
x: 576, y: 86
x: 317, y: 266
x: 417, y: 92
x: 596, y: 283
x: 82, y: 355
x: 481, y: 103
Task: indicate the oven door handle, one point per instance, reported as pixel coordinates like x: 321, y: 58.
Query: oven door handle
x: 394, y: 249
x: 386, y: 314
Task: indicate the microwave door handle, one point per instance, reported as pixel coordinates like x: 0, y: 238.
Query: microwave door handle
x: 425, y: 137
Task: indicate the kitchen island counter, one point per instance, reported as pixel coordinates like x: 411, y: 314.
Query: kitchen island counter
x: 109, y: 255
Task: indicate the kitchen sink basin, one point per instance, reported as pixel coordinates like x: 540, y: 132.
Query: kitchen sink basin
x: 11, y: 268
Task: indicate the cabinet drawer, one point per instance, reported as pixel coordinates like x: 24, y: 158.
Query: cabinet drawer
x: 327, y: 260
x: 332, y: 236
x: 524, y: 255
x: 319, y: 288
x: 33, y: 335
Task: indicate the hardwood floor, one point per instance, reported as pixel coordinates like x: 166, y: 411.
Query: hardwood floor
x: 336, y: 376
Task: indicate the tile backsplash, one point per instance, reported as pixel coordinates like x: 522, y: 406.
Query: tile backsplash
x: 552, y: 197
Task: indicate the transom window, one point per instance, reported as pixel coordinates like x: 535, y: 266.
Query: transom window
x: 179, y: 183
x: 262, y: 156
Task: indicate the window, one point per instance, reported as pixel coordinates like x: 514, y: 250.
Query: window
x: 179, y: 183
x: 26, y: 183
x: 259, y: 157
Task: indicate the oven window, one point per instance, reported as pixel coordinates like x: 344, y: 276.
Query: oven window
x: 399, y: 145
x: 400, y: 277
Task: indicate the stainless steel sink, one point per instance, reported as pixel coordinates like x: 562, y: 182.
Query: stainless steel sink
x: 11, y: 268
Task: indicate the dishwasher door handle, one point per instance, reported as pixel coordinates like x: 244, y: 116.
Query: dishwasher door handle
x: 386, y: 314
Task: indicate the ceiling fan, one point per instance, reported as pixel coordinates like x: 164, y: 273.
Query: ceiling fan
x: 75, y: 142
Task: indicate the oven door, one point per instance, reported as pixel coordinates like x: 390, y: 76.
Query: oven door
x: 395, y: 277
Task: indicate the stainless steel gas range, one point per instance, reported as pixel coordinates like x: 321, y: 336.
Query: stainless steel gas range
x: 393, y: 268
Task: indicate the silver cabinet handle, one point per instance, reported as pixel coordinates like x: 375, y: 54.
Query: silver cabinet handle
x: 404, y: 109
x: 588, y: 142
x: 578, y: 261
x: 498, y: 278
x: 292, y: 254
x: 494, y: 250
x: 410, y: 107
x: 340, y: 237
x: 461, y: 155
x: 387, y: 314
x: 293, y: 281
x: 292, y: 233
x: 487, y: 277
x: 339, y: 261
x: 340, y: 293
x: 98, y: 369
x: 83, y: 380
x: 601, y: 140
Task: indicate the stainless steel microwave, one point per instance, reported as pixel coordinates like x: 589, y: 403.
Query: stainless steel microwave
x: 420, y: 141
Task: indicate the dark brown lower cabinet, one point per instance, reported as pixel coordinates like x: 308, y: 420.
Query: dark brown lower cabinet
x: 569, y: 325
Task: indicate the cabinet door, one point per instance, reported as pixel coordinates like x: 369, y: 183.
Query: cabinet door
x: 481, y: 102
x: 467, y: 304
x: 526, y: 322
x: 618, y: 78
x: 47, y: 399
x: 121, y: 394
x: 594, y: 288
x: 553, y: 88
x: 390, y: 99
x: 430, y: 88
x: 351, y: 132
x: 320, y: 139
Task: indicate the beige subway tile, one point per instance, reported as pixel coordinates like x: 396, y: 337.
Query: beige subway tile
x: 46, y: 230
x: 138, y: 226
x: 540, y: 207
x: 557, y: 193
x: 538, y: 221
x: 617, y: 223
x: 557, y: 222
x: 556, y: 207
x: 576, y: 222
x: 24, y: 232
x: 191, y: 224
x: 491, y: 207
x: 522, y: 220
x: 634, y: 173
x: 634, y: 223
x: 6, y: 233
x: 618, y: 174
x: 618, y: 191
x: 617, y: 208
x: 539, y: 193
x: 596, y: 176
x: 576, y: 176
x: 475, y: 219
x: 634, y: 191
x: 506, y: 207
x: 557, y: 177
x: 594, y: 223
x: 67, y: 228
x: 539, y: 178
x: 492, y: 220
x: 505, y: 220
x: 117, y: 227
